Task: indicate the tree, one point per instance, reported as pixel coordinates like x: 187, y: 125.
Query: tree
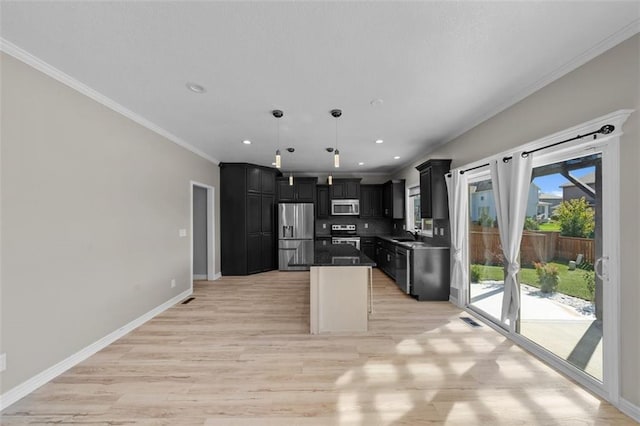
x: 576, y: 218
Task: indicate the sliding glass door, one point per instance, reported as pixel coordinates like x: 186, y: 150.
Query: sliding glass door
x: 561, y: 256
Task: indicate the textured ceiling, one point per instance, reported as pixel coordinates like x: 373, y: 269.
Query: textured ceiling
x: 439, y: 67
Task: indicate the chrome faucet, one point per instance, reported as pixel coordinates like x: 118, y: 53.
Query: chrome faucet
x: 414, y: 234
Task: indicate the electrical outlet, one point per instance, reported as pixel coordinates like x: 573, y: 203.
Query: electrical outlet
x: 441, y: 231
x: 3, y: 362
x: 366, y: 226
x: 404, y: 226
x: 182, y: 232
x: 173, y: 283
x: 324, y: 226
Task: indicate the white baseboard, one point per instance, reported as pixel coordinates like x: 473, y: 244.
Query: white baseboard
x: 630, y: 409
x: 217, y: 276
x: 199, y: 277
x: 30, y: 385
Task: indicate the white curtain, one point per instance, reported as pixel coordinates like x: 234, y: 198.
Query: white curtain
x: 511, y: 182
x: 457, y: 189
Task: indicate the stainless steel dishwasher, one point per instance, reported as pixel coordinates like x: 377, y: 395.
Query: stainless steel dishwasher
x: 403, y: 258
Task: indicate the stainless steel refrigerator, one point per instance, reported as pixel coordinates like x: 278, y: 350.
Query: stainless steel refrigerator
x: 295, y: 235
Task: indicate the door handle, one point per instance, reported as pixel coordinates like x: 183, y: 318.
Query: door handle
x: 601, y: 274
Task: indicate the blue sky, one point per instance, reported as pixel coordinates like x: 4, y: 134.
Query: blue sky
x: 550, y: 184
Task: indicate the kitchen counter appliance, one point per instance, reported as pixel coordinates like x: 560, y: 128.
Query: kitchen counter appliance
x: 345, y: 234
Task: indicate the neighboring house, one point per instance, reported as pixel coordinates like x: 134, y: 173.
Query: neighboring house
x: 547, y: 204
x: 481, y: 201
x: 572, y: 192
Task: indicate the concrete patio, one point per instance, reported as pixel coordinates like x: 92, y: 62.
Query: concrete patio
x: 562, y: 329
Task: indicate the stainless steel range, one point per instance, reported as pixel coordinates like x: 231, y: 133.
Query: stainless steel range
x: 345, y: 234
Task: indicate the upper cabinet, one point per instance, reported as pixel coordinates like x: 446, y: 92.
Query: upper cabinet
x: 393, y: 199
x: 434, y: 202
x: 303, y: 190
x: 371, y: 201
x: 347, y: 189
x: 323, y: 205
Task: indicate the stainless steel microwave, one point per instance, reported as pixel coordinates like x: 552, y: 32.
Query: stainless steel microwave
x: 345, y: 207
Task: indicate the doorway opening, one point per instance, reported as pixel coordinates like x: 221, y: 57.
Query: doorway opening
x: 202, y: 233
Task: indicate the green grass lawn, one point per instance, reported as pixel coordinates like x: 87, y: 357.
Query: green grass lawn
x: 550, y: 226
x: 571, y: 282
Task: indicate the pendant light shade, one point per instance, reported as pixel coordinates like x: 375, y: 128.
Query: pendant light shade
x: 330, y: 180
x: 278, y: 114
x: 336, y: 113
x: 291, y: 179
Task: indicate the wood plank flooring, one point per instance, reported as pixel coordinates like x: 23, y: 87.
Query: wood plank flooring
x: 241, y: 354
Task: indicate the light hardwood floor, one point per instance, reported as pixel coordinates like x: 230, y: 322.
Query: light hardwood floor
x: 241, y: 354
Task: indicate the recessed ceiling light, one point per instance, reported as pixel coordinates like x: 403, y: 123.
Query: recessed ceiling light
x: 397, y: 157
x: 379, y: 141
x: 361, y: 164
x: 376, y: 102
x: 246, y: 142
x: 196, y: 88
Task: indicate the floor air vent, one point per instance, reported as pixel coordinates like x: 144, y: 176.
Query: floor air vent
x: 470, y: 321
x: 188, y: 300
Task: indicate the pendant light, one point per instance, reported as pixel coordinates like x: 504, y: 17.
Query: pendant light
x: 291, y: 179
x: 278, y: 114
x: 336, y: 113
x: 330, y: 177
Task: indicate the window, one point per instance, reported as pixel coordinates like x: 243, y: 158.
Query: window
x: 414, y: 221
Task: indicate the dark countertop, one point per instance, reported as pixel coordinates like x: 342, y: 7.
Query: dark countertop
x: 337, y: 255
x: 414, y: 245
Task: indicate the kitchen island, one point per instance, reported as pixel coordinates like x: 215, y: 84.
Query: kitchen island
x: 340, y: 289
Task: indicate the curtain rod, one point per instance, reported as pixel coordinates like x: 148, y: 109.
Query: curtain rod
x: 605, y: 130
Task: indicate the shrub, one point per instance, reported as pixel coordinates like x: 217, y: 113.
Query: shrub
x: 548, y: 277
x: 485, y: 220
x: 475, y: 273
x: 590, y: 281
x: 531, y: 224
x: 576, y: 218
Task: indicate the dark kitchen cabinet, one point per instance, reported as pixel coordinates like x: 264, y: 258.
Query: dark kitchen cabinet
x: 393, y: 203
x: 303, y: 190
x: 247, y: 205
x: 345, y: 189
x: 370, y: 201
x: 434, y: 201
x: 386, y: 257
x: 323, y: 205
x: 368, y: 247
x: 325, y: 241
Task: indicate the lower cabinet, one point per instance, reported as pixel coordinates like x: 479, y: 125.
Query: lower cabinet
x: 368, y: 247
x: 386, y: 257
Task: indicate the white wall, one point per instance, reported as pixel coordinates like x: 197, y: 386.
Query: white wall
x: 91, y: 207
x: 605, y: 84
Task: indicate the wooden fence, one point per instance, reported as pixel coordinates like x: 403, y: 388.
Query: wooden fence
x: 485, y: 248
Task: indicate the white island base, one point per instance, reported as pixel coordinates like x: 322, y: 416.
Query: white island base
x: 339, y: 299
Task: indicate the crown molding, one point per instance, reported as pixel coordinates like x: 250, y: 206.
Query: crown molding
x: 51, y: 71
